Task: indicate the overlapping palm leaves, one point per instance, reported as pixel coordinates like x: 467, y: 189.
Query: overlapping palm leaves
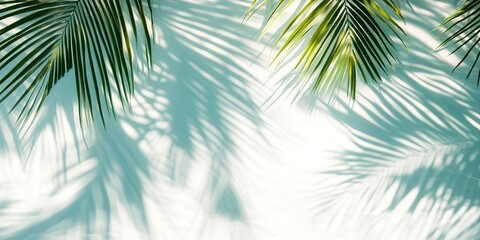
x: 429, y: 165
x: 463, y: 32
x: 45, y: 39
x: 347, y: 39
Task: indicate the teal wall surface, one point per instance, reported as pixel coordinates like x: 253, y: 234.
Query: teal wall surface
x: 218, y: 144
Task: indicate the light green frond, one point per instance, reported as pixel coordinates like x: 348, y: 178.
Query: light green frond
x: 346, y: 39
x: 40, y: 41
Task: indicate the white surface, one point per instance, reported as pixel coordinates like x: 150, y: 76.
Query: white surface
x: 205, y: 155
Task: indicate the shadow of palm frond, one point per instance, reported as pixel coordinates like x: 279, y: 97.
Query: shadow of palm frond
x: 199, y: 97
x: 83, y: 190
x: 188, y: 115
x: 412, y: 170
x: 8, y: 136
x: 11, y: 174
x: 80, y: 183
x: 311, y: 47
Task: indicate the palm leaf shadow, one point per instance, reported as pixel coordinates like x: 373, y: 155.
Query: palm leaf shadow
x: 10, y: 156
x: 115, y: 178
x: 415, y: 149
x: 197, y: 101
x: 335, y: 43
x: 55, y: 145
x: 8, y: 132
x: 200, y: 90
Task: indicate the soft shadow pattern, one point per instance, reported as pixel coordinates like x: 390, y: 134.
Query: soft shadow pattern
x: 295, y: 80
x: 198, y: 94
x: 10, y: 159
x: 189, y: 113
x: 416, y: 148
x: 8, y: 132
x: 88, y: 178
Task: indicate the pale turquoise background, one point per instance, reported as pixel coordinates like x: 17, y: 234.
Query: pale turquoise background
x: 215, y: 147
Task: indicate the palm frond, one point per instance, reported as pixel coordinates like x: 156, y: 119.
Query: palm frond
x: 463, y: 32
x: 346, y: 39
x: 45, y: 39
x: 414, y: 150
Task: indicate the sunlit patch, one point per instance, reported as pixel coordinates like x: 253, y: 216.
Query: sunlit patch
x: 197, y: 155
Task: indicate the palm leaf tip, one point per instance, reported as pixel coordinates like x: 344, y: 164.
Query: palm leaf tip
x: 44, y: 40
x: 342, y: 39
x: 462, y: 33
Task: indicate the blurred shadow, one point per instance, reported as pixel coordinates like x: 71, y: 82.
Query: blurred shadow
x: 8, y: 136
x: 415, y: 147
x: 192, y: 109
x: 53, y: 148
x: 199, y: 95
x: 117, y: 171
x: 295, y: 85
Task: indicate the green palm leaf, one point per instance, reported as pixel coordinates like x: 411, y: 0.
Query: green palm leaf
x: 463, y: 31
x: 346, y: 39
x: 44, y: 39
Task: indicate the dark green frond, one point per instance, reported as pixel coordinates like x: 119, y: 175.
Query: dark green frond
x: 346, y: 39
x: 463, y: 33
x: 40, y: 41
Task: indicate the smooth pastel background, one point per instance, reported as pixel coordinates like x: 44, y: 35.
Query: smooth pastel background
x: 217, y: 145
